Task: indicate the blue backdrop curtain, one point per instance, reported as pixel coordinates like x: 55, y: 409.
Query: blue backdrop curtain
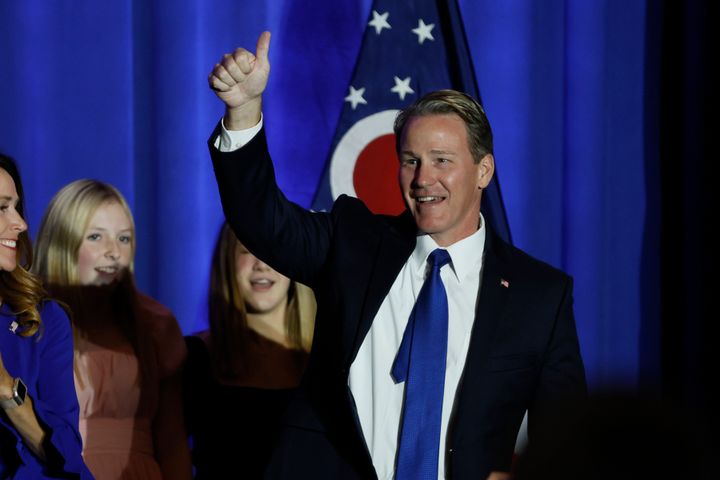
x: 117, y: 91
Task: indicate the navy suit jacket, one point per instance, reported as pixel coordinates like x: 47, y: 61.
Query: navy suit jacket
x: 523, y: 352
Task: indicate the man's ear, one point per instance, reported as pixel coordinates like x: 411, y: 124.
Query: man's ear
x: 486, y: 170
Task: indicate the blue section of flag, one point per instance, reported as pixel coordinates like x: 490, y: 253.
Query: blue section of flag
x: 417, y: 44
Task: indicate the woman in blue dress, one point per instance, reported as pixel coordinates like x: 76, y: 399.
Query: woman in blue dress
x: 39, y: 435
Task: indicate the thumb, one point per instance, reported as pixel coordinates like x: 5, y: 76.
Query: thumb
x: 262, y: 48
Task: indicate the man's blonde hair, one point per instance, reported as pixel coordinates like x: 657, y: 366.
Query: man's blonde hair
x: 451, y: 102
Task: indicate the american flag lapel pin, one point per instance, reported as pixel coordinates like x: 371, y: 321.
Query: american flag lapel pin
x: 504, y: 283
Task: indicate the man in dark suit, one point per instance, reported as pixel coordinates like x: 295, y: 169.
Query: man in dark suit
x: 511, y: 342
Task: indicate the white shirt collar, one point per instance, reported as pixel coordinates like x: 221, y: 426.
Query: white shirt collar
x: 466, y: 254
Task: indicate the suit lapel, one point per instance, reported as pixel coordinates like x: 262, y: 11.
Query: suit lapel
x: 494, y: 296
x: 396, y: 245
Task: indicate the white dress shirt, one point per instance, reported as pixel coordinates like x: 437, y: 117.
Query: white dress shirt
x: 378, y: 399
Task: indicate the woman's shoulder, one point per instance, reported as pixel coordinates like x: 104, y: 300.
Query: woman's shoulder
x: 155, y: 318
x: 198, y: 348
x: 153, y: 308
x: 160, y: 324
x: 53, y: 315
x: 51, y: 308
x: 203, y: 335
x: 55, y: 327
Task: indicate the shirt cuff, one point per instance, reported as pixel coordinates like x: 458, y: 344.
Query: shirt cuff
x: 231, y: 140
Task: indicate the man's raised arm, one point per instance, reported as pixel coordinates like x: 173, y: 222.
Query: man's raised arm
x: 239, y: 81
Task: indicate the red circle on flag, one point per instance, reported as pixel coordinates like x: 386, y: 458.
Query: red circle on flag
x: 375, y: 176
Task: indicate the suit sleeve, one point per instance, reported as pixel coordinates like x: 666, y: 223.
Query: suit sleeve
x: 561, y: 383
x: 285, y: 236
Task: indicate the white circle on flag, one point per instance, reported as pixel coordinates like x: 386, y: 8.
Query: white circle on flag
x: 342, y: 163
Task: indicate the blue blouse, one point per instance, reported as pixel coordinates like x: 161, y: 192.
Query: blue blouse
x: 44, y: 361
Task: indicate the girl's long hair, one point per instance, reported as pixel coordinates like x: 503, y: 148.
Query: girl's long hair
x: 227, y: 315
x: 57, y: 247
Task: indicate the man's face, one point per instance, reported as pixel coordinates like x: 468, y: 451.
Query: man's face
x: 440, y: 182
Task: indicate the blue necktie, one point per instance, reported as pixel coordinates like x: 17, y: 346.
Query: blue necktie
x: 420, y: 363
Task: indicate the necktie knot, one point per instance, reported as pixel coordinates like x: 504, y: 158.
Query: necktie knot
x: 438, y: 258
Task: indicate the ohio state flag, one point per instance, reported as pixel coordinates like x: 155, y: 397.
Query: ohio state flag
x: 410, y: 48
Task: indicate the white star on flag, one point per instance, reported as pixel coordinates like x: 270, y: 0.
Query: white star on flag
x: 425, y: 43
x: 423, y: 31
x: 379, y: 21
x: 402, y: 87
x: 355, y: 97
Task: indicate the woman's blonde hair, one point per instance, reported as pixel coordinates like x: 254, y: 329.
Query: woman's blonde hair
x: 20, y: 289
x: 227, y: 314
x: 64, y: 224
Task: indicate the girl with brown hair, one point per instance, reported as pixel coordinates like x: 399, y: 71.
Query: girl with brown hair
x: 241, y: 372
